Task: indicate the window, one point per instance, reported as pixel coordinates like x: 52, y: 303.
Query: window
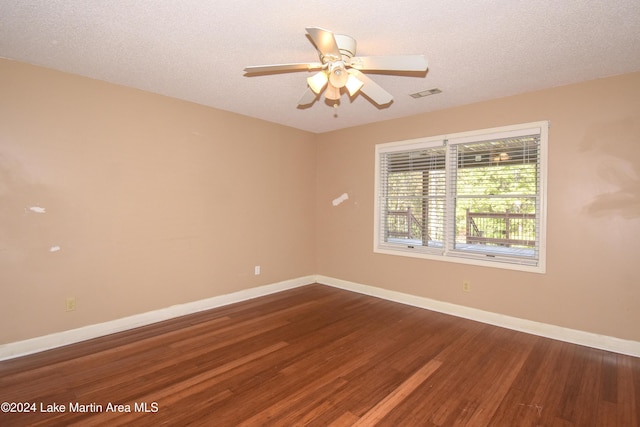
x: 475, y: 197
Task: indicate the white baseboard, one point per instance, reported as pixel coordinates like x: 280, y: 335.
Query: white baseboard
x: 603, y: 342
x: 59, y: 339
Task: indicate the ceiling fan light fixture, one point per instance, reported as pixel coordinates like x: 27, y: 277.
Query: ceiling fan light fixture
x: 353, y: 84
x: 332, y: 93
x: 317, y: 82
x: 340, y: 67
x: 338, y: 74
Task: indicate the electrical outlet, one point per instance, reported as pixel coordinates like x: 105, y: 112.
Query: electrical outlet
x: 466, y: 286
x: 71, y: 303
x: 256, y: 270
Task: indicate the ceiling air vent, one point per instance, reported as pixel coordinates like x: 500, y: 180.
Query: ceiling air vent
x: 424, y: 93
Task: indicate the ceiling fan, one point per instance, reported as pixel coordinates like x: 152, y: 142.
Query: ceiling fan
x: 339, y: 68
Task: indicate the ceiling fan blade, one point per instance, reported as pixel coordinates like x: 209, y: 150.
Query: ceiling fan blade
x: 372, y: 89
x: 282, y: 68
x: 390, y: 63
x: 325, y: 42
x: 308, y: 97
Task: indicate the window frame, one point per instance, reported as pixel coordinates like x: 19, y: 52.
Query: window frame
x: 447, y: 253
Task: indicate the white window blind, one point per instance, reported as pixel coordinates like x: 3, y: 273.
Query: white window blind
x: 494, y: 186
x: 413, y: 197
x: 477, y: 197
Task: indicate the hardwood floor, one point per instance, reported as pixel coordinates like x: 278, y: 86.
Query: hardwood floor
x: 321, y: 356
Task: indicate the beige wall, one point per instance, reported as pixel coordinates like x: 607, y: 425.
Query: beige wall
x: 152, y: 201
x: 155, y: 202
x: 593, y: 224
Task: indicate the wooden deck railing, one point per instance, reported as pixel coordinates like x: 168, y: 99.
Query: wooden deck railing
x: 511, y: 227
x: 406, y: 226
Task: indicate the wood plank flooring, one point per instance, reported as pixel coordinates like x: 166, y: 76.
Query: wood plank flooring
x: 321, y: 356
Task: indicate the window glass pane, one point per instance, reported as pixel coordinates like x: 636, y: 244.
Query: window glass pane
x: 414, y: 197
x: 496, y: 197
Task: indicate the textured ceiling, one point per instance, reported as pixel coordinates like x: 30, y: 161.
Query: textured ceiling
x: 196, y: 50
